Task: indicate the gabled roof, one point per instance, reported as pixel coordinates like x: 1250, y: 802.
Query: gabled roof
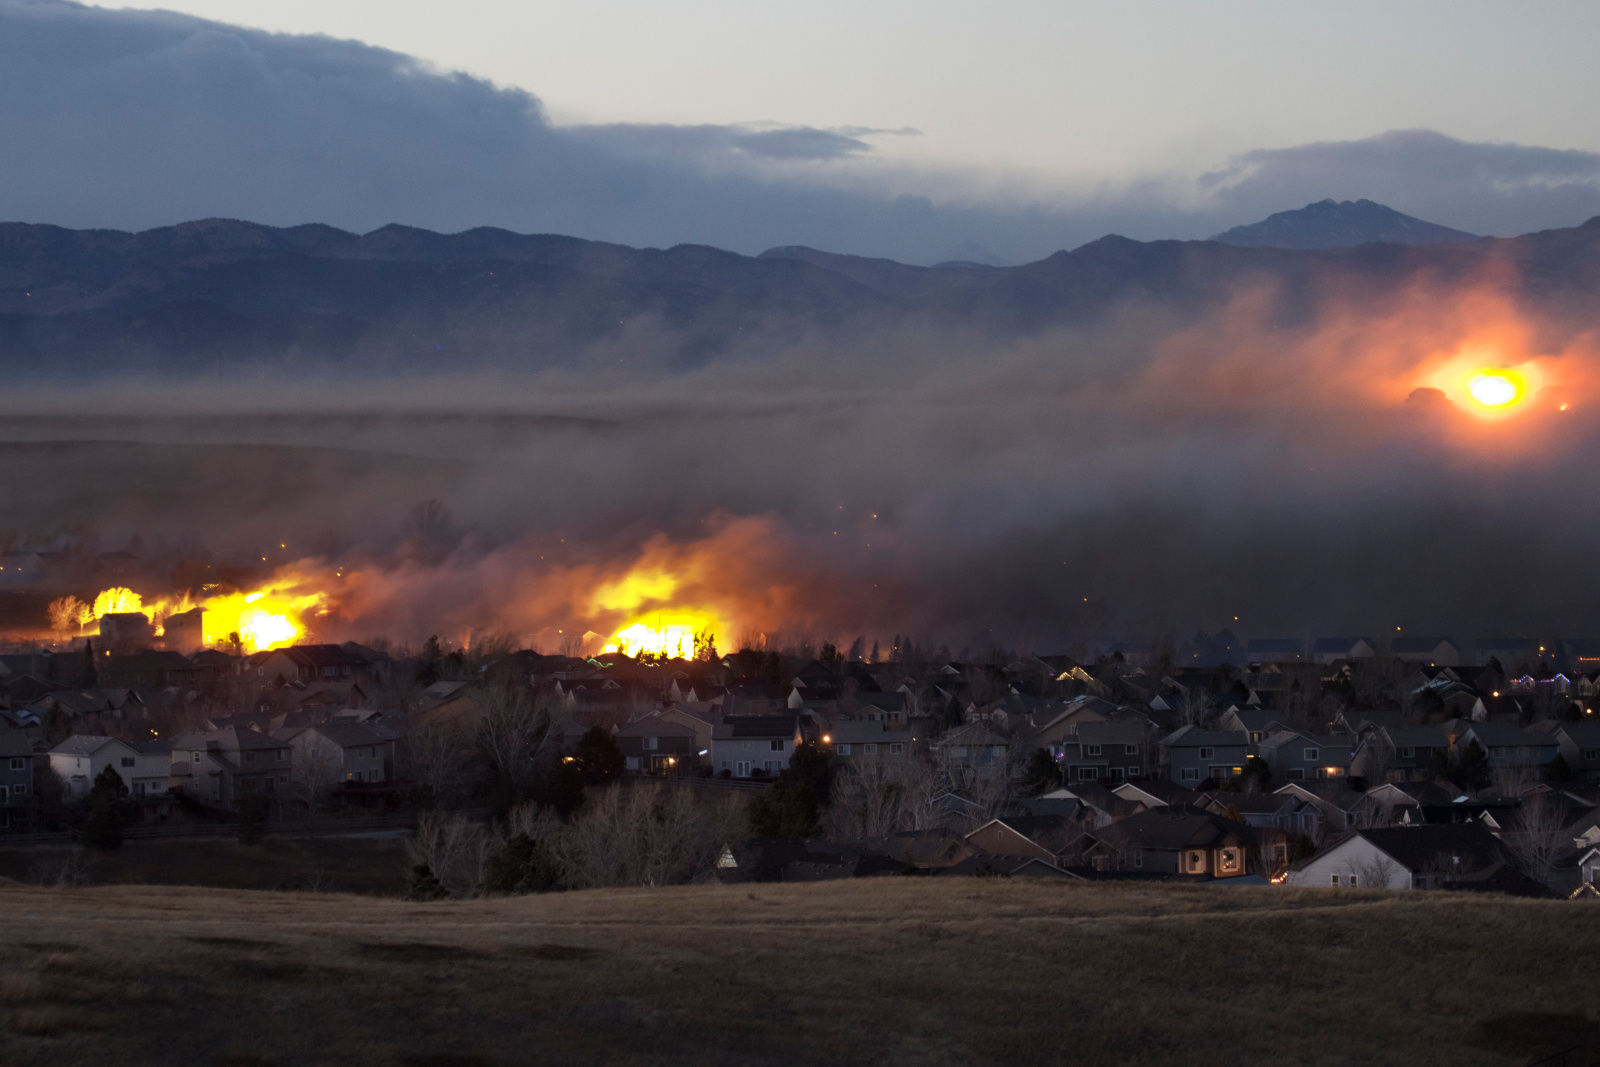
x: 1193, y: 736
x: 83, y: 745
x: 1423, y: 848
x: 865, y: 732
x: 1173, y: 828
x: 313, y: 656
x: 771, y: 727
x: 975, y: 735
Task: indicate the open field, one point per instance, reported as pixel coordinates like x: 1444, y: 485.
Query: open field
x: 891, y: 971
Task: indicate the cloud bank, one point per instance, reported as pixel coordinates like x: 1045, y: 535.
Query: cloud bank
x: 134, y: 119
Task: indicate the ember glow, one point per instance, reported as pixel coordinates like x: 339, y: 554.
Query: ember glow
x: 1496, y: 388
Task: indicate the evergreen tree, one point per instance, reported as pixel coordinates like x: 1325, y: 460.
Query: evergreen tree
x: 524, y: 865
x: 598, y: 756
x: 1044, y: 773
x: 1559, y: 770
x: 1472, y: 773
x: 793, y: 805
x: 422, y: 885
x: 108, y: 802
x: 91, y: 675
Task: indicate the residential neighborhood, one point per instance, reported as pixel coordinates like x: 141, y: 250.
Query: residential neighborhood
x: 1370, y: 767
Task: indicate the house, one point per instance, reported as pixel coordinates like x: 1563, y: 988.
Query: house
x: 1156, y: 793
x: 1579, y: 745
x: 1097, y: 805
x: 754, y: 746
x: 652, y: 745
x: 333, y: 753
x: 1257, y: 722
x: 1115, y: 750
x: 445, y: 699
x: 1020, y: 835
x: 144, y: 767
x: 1295, y: 757
x: 1053, y: 728
x: 1186, y: 841
x: 1341, y: 807
x: 1398, y: 753
x: 1190, y: 755
x: 225, y: 768
x: 307, y: 663
x: 126, y: 629
x: 1404, y: 857
x: 1589, y: 866
x: 1402, y: 803
x: 1433, y: 651
x: 974, y: 747
x: 856, y: 741
x: 1514, y: 654
x: 1275, y: 650
x: 1330, y: 650
x: 699, y: 720
x: 1285, y: 811
x: 16, y: 777
x: 1511, y: 748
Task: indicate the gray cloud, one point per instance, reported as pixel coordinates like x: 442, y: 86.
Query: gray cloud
x: 134, y: 119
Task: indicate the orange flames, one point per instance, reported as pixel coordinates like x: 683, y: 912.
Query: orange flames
x: 275, y: 614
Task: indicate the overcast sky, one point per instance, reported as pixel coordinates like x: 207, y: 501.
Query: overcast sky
x: 892, y: 128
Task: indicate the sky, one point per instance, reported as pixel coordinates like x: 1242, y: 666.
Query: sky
x: 914, y: 131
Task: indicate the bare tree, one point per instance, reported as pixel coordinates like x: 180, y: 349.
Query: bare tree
x: 650, y: 835
x: 876, y: 797
x: 433, y: 753
x: 1537, y: 839
x: 515, y: 734
x: 455, y: 849
x: 1376, y: 872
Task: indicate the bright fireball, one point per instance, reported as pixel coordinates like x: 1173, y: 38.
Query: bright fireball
x: 1495, y: 388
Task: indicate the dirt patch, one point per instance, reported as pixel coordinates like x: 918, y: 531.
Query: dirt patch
x: 244, y: 944
x: 415, y: 951
x: 1539, y: 1034
x: 551, y: 951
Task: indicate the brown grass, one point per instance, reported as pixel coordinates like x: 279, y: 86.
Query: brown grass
x: 883, y: 971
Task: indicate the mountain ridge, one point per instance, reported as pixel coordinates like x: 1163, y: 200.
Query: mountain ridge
x: 1332, y: 223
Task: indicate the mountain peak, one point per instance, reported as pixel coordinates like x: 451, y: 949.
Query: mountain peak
x: 1339, y: 224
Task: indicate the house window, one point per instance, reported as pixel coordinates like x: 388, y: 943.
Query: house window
x: 1589, y: 755
x: 1092, y: 750
x: 1133, y: 772
x: 19, y: 790
x: 1137, y: 856
x: 651, y: 743
x: 197, y: 757
x: 127, y: 761
x: 283, y: 779
x: 742, y: 769
x: 869, y: 750
x: 1408, y: 753
x: 1197, y: 863
x: 843, y: 750
x: 1131, y: 750
x: 1115, y: 773
x: 777, y: 746
x: 249, y: 757
x: 1335, y: 881
x: 138, y: 789
x: 1208, y: 753
x: 896, y: 748
x: 1190, y: 774
x: 774, y: 766
x: 1230, y: 859
x: 19, y: 763
x: 1086, y: 774
x: 1297, y: 772
x: 3, y: 792
x: 1353, y: 883
x: 283, y: 754
x: 1311, y: 755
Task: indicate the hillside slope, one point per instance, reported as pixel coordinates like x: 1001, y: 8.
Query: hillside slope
x: 911, y: 971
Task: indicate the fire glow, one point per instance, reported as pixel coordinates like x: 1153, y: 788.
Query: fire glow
x: 273, y: 615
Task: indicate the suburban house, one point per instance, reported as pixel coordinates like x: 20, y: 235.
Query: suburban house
x: 653, y: 745
x: 1294, y: 756
x: 1257, y: 722
x: 1404, y: 857
x: 308, y: 663
x: 855, y: 741
x: 1579, y: 745
x: 1275, y: 650
x: 1398, y: 753
x: 974, y: 747
x: 16, y: 774
x: 223, y: 768
x: 143, y: 766
x: 754, y: 746
x: 1186, y: 840
x: 1342, y: 808
x: 1514, y: 654
x: 1117, y: 749
x: 1329, y: 650
x: 1433, y: 651
x: 1156, y: 793
x: 333, y: 753
x: 1288, y: 812
x: 1190, y: 755
x: 1511, y: 748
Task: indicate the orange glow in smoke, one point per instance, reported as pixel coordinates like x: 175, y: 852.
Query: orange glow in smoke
x: 1496, y: 388
x: 673, y: 632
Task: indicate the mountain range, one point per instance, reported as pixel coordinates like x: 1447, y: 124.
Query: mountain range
x: 224, y: 295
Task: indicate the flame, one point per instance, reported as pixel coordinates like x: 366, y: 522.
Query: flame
x: 264, y: 618
x: 1496, y: 388
x: 673, y: 632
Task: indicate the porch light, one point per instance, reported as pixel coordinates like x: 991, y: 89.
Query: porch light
x: 826, y: 739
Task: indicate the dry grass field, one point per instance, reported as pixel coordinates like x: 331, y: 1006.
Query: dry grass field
x: 883, y: 971
x: 336, y: 864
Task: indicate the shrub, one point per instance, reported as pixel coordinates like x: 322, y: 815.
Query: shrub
x: 422, y: 885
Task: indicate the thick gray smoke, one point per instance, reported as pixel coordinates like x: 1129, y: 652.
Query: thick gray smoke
x: 1130, y: 480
